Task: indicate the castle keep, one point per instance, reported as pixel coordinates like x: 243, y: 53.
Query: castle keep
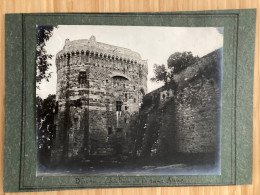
x: 99, y: 88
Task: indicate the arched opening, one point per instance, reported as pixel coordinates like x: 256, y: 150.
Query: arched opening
x: 119, y: 81
x: 120, y: 77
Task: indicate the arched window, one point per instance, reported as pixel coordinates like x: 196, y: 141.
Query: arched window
x: 163, y: 96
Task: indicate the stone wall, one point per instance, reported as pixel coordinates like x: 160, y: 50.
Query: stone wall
x: 187, y: 120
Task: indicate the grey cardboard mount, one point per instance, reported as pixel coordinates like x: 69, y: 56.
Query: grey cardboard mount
x: 237, y: 98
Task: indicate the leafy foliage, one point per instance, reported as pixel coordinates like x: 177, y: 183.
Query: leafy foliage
x: 43, y: 34
x: 46, y: 125
x: 179, y: 61
x: 176, y: 63
x: 161, y: 73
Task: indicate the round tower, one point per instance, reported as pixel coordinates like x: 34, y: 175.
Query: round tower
x: 99, y: 88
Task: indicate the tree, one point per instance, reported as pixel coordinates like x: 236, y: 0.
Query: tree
x: 160, y: 72
x: 46, y: 110
x: 179, y: 61
x: 176, y: 63
x: 42, y: 65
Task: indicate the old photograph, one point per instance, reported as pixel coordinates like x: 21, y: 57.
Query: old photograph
x: 128, y: 100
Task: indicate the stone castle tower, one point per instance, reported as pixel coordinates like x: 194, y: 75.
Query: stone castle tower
x: 99, y: 88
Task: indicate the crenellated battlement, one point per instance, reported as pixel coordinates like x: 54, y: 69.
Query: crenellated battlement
x: 85, y: 57
x: 93, y: 49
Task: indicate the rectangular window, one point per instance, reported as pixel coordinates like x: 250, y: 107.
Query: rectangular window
x: 126, y: 107
x: 82, y: 78
x: 109, y: 130
x: 118, y: 105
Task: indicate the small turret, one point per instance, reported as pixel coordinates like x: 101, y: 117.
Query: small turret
x: 67, y: 41
x: 67, y: 44
x: 92, y: 39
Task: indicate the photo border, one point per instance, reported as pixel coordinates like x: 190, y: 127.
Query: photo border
x: 236, y: 165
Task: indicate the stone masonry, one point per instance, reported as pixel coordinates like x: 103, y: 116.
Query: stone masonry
x: 183, y: 119
x: 99, y: 88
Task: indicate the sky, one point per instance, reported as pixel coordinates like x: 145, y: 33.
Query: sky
x: 154, y: 44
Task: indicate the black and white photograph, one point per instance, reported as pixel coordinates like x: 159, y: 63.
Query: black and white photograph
x: 128, y: 100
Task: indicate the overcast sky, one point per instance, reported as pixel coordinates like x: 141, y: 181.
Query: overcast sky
x: 154, y: 44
